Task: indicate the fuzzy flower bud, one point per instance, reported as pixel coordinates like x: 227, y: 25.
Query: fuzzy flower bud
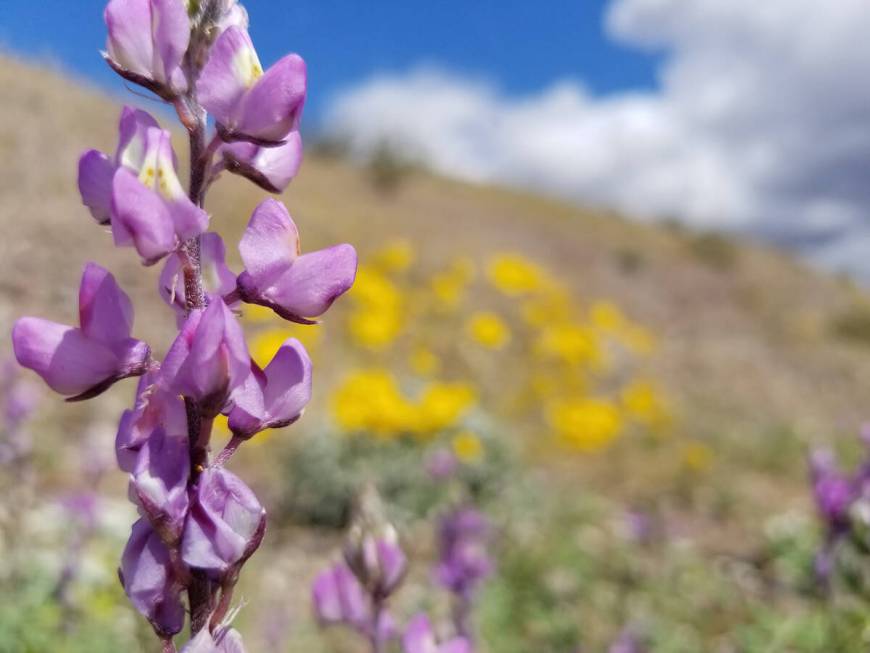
x: 463, y: 558
x: 83, y: 362
x: 224, y: 640
x: 296, y: 286
x: 338, y: 598
x: 225, y: 526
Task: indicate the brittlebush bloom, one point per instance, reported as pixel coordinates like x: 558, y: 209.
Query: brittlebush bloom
x: 442, y: 405
x: 514, y: 275
x: 570, y: 343
x: 489, y: 330
x: 424, y: 362
x: 467, y: 447
x: 586, y: 424
x: 450, y: 285
x: 370, y: 400
x: 266, y: 343
x: 377, y: 319
x: 395, y: 256
x: 643, y: 402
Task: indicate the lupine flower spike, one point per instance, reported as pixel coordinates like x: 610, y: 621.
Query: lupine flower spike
x: 199, y: 522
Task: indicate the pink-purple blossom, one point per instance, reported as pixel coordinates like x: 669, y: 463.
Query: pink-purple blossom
x: 277, y: 275
x: 82, y: 362
x: 420, y: 638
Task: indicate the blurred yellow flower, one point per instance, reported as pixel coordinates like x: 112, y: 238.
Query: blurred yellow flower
x: 396, y: 256
x: 467, y: 447
x: 449, y: 286
x: 643, y: 402
x: 488, y: 329
x: 443, y: 404
x: 374, y: 329
x: 424, y: 362
x: 255, y: 313
x: 370, y: 400
x: 266, y: 343
x: 373, y: 289
x: 514, y: 274
x: 586, y: 424
x: 220, y: 430
x: 606, y: 316
x: 571, y: 343
x: 553, y: 306
x: 697, y: 457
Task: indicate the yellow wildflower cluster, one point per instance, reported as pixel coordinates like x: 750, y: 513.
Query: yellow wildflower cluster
x: 518, y: 340
x: 371, y: 401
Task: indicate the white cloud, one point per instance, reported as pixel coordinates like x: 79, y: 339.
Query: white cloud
x: 761, y: 123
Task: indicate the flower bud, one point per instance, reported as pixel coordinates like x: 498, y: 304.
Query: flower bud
x: 372, y: 549
x: 463, y: 558
x: 225, y: 525
x: 296, y: 286
x: 84, y: 362
x: 246, y: 103
x: 148, y: 579
x: 273, y: 397
x: 146, y: 43
x: 159, y: 483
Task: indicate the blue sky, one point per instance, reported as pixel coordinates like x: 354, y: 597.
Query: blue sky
x: 521, y: 46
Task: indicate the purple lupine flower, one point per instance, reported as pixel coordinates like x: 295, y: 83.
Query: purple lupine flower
x: 464, y: 561
x: 149, y: 580
x: 833, y: 491
x: 96, y: 169
x: 151, y: 211
x: 155, y: 408
x: 223, y: 640
x: 441, y: 464
x: 147, y: 41
x: 225, y: 524
x: 246, y: 103
x: 627, y: 642
x: 159, y: 482
x: 339, y: 598
x: 209, y: 358
x: 419, y: 638
x: 377, y: 560
x: 271, y: 168
x: 296, y: 286
x: 83, y: 362
x: 274, y: 397
x: 216, y: 276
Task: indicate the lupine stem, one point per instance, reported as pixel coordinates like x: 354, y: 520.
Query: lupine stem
x: 199, y: 592
x: 377, y: 639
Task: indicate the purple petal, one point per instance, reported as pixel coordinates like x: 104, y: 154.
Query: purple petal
x: 171, y: 28
x: 271, y: 168
x: 270, y: 242
x: 418, y: 637
x: 68, y: 361
x: 273, y: 107
x: 148, y: 581
x: 288, y: 382
x: 232, y: 68
x: 159, y: 482
x: 130, y: 42
x: 218, y: 359
x: 314, y: 281
x: 105, y: 311
x: 248, y: 413
x: 141, y: 218
x: 132, y: 129
x: 339, y: 598
x: 95, y: 184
